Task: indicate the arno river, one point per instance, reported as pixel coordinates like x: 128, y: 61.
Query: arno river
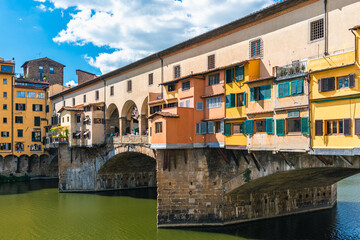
x: 36, y: 210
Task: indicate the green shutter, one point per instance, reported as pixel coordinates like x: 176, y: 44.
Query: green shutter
x: 227, y: 129
x: 286, y: 89
x: 232, y: 96
x: 229, y: 75
x: 293, y: 87
x: 33, y: 136
x: 280, y: 89
x: 37, y: 121
x: 244, y: 98
x: 305, y: 125
x: 267, y: 92
x: 252, y: 94
x: 300, y: 86
x: 269, y: 126
x: 228, y: 101
x: 280, y: 127
x: 239, y: 73
x: 249, y: 127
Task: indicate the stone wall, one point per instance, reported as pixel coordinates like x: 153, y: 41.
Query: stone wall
x: 31, y: 70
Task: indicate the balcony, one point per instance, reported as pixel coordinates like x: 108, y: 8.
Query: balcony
x: 296, y: 69
x: 132, y: 139
x: 60, y: 140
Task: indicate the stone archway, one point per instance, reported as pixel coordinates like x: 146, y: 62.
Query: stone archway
x: 112, y: 120
x: 144, y: 126
x: 130, y: 118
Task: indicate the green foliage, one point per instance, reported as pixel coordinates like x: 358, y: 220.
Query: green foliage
x: 60, y: 131
x: 246, y: 175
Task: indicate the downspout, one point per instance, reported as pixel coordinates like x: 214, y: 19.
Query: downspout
x: 309, y: 110
x: 12, y: 114
x: 356, y: 46
x: 162, y: 73
x: 326, y: 29
x: 105, y: 111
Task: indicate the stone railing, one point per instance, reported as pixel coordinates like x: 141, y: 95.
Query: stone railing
x: 135, y: 139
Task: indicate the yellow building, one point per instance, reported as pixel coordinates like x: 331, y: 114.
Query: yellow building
x: 6, y: 82
x: 237, y: 96
x: 335, y: 103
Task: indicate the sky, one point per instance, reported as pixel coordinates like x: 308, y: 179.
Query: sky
x: 99, y: 36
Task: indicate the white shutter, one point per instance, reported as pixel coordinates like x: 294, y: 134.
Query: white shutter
x: 210, y: 127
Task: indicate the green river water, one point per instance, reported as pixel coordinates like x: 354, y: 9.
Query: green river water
x: 36, y: 210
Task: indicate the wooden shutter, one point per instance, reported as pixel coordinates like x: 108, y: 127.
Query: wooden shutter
x: 280, y: 89
x: 249, y: 127
x: 210, y: 127
x: 41, y: 108
x: 228, y: 101
x: 239, y: 73
x: 357, y: 126
x: 229, y: 75
x: 304, y: 125
x: 352, y: 80
x: 331, y: 84
x: 37, y: 121
x: 286, y: 89
x: 347, y: 126
x: 232, y: 96
x: 257, y: 93
x: 300, y: 86
x: 227, y: 129
x: 197, y: 128
x: 319, y: 129
x: 252, y: 94
x: 268, y: 92
x: 244, y: 99
x: 269, y: 126
x: 293, y: 87
x: 280, y: 127
x: 320, y: 85
x: 211, y: 61
x: 222, y: 126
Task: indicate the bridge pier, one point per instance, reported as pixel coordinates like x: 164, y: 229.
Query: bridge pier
x: 201, y: 187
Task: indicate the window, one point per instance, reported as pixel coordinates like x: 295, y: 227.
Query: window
x: 4, y: 134
x: 19, y: 146
x: 20, y: 107
x: 219, y: 126
x: 240, y: 99
x: 199, y: 106
x: 5, y: 68
x: 78, y: 118
x: 36, y: 136
x: 30, y: 94
x: 129, y: 86
x: 47, y: 108
x: 40, y: 95
x: 37, y: 121
x: 5, y: 146
x: 67, y: 119
x: 4, y: 94
x: 260, y: 93
x: 201, y: 128
x: 230, y: 100
x: 171, y: 87
x: 158, y: 127
x: 185, y: 85
x: 187, y: 103
x: 4, y: 81
x: 35, y: 147
x: 293, y: 125
x: 73, y: 100
x: 20, y: 133
x: 256, y: 48
x: 155, y: 109
x: 4, y: 106
x: 326, y: 84
x: 260, y: 126
x: 37, y: 107
x: 211, y: 61
x: 295, y: 87
x: 346, y: 81
x: 112, y: 91
x: 214, y: 102
x: 177, y: 72
x: 214, y: 79
x: 84, y: 98
x: 237, y: 128
x: 229, y: 75
x: 41, y: 69
x: 170, y: 105
x: 210, y: 126
x: 20, y: 94
x: 5, y: 120
x: 239, y: 73
x: 97, y: 95
x: 151, y: 79
x: 317, y: 29
x: 51, y: 70
x: 334, y: 127
x: 18, y: 119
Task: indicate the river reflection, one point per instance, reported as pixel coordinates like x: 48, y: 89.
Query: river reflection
x: 36, y: 210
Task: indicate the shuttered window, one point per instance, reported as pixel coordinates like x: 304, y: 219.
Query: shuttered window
x: 185, y: 85
x: 304, y: 125
x: 211, y: 61
x: 129, y: 86
x: 347, y: 126
x: 357, y: 126
x: 280, y: 127
x: 229, y: 75
x: 230, y: 100
x: 210, y: 127
x: 239, y: 73
x: 150, y: 79
x: 291, y: 88
x: 319, y: 129
x: 201, y: 128
x: 240, y: 99
x: 352, y: 80
x: 249, y: 127
x: 237, y: 128
x: 227, y: 129
x: 326, y: 84
x: 37, y: 121
x: 260, y: 93
x: 269, y: 126
x: 177, y: 71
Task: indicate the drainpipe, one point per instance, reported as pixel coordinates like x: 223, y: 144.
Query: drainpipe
x: 12, y: 113
x: 162, y: 73
x: 105, y: 111
x: 309, y: 109
x: 326, y: 29
x: 356, y: 47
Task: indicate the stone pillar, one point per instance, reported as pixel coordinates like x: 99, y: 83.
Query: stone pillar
x: 122, y: 126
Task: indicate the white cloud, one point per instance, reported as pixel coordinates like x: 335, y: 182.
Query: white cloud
x: 41, y: 7
x: 20, y: 19
x: 71, y: 83
x: 40, y: 1
x: 135, y: 29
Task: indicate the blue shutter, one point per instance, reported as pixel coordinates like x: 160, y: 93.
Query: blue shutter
x: 228, y: 101
x: 269, y: 126
x: 232, y: 103
x: 268, y: 92
x: 229, y: 75
x: 197, y: 128
x: 300, y: 86
x: 286, y: 89
x: 203, y: 128
x: 227, y: 129
x: 249, y: 127
x: 280, y: 127
x: 293, y: 87
x: 210, y: 127
x: 252, y: 94
x: 262, y: 93
x: 305, y: 125
x: 280, y: 89
x: 239, y: 73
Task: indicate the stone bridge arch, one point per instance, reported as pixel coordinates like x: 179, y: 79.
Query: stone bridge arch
x: 112, y: 120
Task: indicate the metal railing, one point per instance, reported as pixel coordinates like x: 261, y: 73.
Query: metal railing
x: 292, y: 70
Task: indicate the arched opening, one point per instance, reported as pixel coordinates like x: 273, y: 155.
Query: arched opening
x: 144, y: 118
x: 112, y: 116
x: 33, y: 163
x: 127, y: 170
x: 130, y: 119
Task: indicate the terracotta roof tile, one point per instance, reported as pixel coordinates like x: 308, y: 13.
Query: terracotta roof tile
x: 163, y: 114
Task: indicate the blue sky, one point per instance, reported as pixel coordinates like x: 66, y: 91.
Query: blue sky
x: 101, y: 35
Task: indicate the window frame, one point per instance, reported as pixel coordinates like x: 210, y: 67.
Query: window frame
x: 214, y: 79
x: 158, y: 127
x: 255, y: 127
x: 241, y: 128
x: 259, y: 48
x: 129, y: 86
x: 52, y: 70
x: 287, y: 125
x: 186, y: 85
x: 211, y: 59
x: 343, y: 82
x: 177, y: 71
x: 151, y: 79
x: 310, y: 29
x: 331, y: 121
x: 171, y: 87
